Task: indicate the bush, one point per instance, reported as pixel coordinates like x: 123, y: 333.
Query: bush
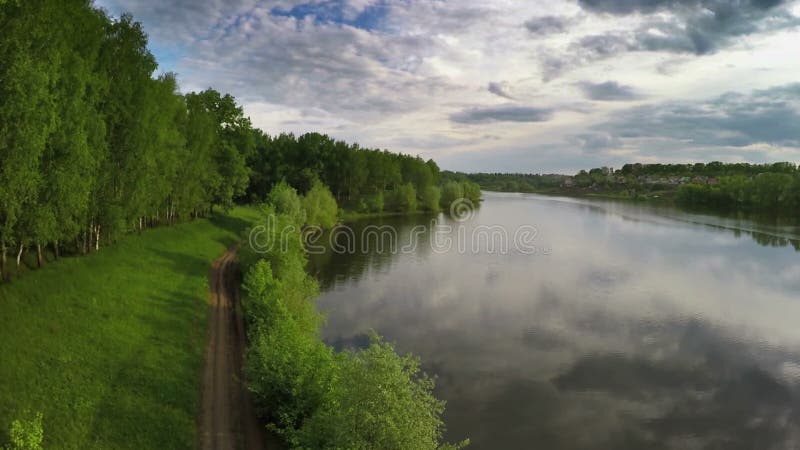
x: 285, y: 200
x: 451, y: 192
x: 472, y: 192
x: 379, y: 400
x: 403, y: 198
x: 288, y: 368
x: 430, y: 197
x: 27, y: 434
x: 320, y: 205
x: 375, y: 203
x: 313, y: 396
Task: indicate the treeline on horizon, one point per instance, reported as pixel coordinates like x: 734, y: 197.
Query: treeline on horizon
x: 92, y: 145
x: 361, y: 180
x: 773, y: 188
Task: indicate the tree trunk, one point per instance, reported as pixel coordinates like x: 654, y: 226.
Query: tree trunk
x: 97, y: 240
x: 90, y: 234
x: 4, y: 263
x: 19, y: 255
x: 56, y: 251
x: 39, y: 258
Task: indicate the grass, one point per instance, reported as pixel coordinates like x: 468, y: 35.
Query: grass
x: 110, y: 347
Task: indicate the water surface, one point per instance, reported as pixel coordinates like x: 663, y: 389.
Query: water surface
x: 630, y: 326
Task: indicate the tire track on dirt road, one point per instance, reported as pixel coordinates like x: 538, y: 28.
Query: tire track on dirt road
x: 227, y: 419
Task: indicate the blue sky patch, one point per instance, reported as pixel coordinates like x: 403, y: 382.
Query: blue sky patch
x: 333, y: 12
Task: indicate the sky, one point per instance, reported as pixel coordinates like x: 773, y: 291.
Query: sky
x: 513, y: 86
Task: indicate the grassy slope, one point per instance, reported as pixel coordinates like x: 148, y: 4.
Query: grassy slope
x: 110, y: 347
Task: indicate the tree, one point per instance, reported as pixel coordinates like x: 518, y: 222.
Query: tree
x: 28, y: 71
x: 123, y: 178
x: 234, y: 143
x: 320, y: 206
x: 451, y: 192
x: 379, y: 400
x: 286, y: 201
x: 430, y: 198
x: 403, y: 198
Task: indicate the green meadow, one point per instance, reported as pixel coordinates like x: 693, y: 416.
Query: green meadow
x: 109, y: 347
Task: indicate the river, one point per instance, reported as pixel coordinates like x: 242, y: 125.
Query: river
x: 560, y: 323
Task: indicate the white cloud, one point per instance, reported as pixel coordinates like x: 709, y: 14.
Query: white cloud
x: 463, y: 81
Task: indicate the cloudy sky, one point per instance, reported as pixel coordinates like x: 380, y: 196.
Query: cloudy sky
x: 504, y: 85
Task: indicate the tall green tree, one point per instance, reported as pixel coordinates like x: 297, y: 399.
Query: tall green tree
x: 28, y: 73
x: 234, y: 143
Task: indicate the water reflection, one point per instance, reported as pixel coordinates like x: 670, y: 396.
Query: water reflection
x: 642, y: 328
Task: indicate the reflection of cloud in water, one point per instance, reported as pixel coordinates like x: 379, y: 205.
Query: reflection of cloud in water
x: 630, y: 335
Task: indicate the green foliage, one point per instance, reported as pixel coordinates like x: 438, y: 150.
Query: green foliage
x: 451, y: 192
x: 288, y: 367
x: 376, y: 203
x: 111, y: 344
x: 94, y: 144
x: 472, y: 192
x: 403, y: 198
x: 91, y: 144
x: 351, y: 173
x: 320, y: 206
x: 27, y: 434
x: 772, y: 188
x: 312, y: 396
x: 371, y: 204
x: 285, y: 200
x: 430, y: 198
x: 379, y: 400
x: 770, y: 192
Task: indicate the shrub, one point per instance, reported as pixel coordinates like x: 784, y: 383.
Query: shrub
x: 379, y: 400
x: 451, y: 191
x: 430, y: 197
x: 375, y: 203
x: 313, y: 396
x: 472, y: 192
x: 403, y: 198
x: 289, y: 370
x: 320, y: 205
x: 27, y: 434
x: 285, y: 200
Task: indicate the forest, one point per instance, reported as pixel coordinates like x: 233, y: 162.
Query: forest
x: 93, y: 145
x: 768, y: 188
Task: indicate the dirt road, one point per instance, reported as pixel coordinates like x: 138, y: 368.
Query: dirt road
x: 227, y: 419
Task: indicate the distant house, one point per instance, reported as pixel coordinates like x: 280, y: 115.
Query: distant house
x: 568, y: 182
x: 712, y: 181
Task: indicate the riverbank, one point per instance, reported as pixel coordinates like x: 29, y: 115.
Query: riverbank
x: 658, y: 197
x: 110, y: 346
x: 352, y: 216
x: 311, y: 394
